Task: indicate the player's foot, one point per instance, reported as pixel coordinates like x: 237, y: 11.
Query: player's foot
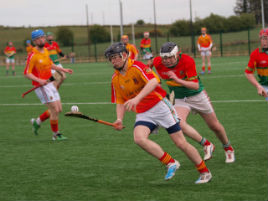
x: 230, y: 157
x: 202, y: 73
x: 171, y: 169
x: 208, y: 149
x: 36, y: 126
x: 172, y: 97
x: 58, y: 137
x: 204, y: 178
x: 209, y: 72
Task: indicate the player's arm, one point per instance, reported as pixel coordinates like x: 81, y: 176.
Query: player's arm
x: 188, y: 84
x: 251, y: 78
x: 148, y: 88
x: 65, y: 70
x: 120, y: 112
x: 30, y: 76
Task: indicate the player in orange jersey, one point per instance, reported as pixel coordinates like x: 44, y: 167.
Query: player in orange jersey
x: 10, y: 52
x: 38, y: 69
x: 204, y: 44
x: 133, y: 52
x: 179, y: 71
x: 145, y: 46
x: 29, y: 47
x: 259, y: 61
x: 135, y: 87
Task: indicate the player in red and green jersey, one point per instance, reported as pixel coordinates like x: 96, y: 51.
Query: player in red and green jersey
x: 135, y: 87
x: 54, y: 53
x: 145, y: 46
x: 10, y: 52
x: 179, y: 71
x: 259, y: 61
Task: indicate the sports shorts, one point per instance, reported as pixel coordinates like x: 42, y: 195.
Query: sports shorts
x: 162, y: 114
x: 265, y: 87
x: 10, y: 60
x: 206, y: 53
x: 147, y: 56
x: 53, y: 71
x: 47, y: 93
x: 199, y: 103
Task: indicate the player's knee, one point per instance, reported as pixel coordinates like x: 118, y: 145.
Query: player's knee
x: 139, y: 140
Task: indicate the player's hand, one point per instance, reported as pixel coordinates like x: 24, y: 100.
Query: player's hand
x: 262, y: 91
x: 42, y: 82
x: 67, y: 70
x: 171, y: 75
x: 131, y: 104
x: 118, y: 124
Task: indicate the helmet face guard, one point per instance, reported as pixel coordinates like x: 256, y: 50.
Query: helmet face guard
x: 168, y: 50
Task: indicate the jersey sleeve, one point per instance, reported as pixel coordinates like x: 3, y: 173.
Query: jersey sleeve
x: 251, y: 64
x: 190, y: 69
x: 57, y: 47
x: 29, y: 64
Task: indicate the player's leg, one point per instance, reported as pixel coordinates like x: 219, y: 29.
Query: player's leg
x: 59, y: 76
x: 7, y: 66
x: 13, y: 67
x: 214, y: 124
x: 209, y: 61
x: 188, y: 130
x: 37, y: 122
x: 141, y: 138
x: 203, y: 63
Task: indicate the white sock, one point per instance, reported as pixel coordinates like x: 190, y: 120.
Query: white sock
x: 38, y: 121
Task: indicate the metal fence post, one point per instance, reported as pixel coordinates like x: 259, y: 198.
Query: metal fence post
x: 95, y: 50
x: 249, y: 48
x: 221, y: 47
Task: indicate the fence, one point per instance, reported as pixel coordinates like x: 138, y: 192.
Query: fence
x: 225, y: 44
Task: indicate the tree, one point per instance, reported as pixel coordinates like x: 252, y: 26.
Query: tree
x: 65, y: 36
x: 140, y: 22
x: 98, y: 34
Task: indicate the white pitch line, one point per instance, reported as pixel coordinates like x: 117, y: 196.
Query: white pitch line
x: 108, y: 103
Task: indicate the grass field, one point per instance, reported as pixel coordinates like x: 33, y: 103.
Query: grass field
x: 101, y: 164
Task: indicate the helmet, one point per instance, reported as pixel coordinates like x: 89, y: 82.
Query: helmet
x: 146, y: 33
x: 169, y: 49
x: 49, y: 33
x: 263, y: 32
x: 37, y: 33
x: 115, y: 48
x: 124, y: 37
x: 28, y: 41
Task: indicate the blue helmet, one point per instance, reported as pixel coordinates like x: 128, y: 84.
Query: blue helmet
x: 37, y: 33
x: 28, y: 41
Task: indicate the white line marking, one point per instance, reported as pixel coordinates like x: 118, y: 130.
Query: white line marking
x: 108, y: 103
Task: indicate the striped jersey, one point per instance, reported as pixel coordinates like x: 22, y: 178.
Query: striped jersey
x: 54, y: 50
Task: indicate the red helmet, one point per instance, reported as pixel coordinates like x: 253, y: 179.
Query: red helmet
x: 263, y: 32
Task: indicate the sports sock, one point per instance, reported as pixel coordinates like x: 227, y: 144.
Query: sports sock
x: 228, y: 146
x: 166, y: 159
x: 13, y: 73
x: 204, y: 142
x: 209, y: 68
x: 54, y: 126
x: 203, y: 68
x: 202, y: 168
x: 44, y: 116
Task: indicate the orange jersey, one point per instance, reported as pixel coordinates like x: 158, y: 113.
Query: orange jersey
x: 204, y: 41
x: 39, y: 64
x: 10, y: 50
x: 132, y: 50
x: 29, y: 49
x: 128, y: 86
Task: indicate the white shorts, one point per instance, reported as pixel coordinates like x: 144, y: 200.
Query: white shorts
x: 147, y: 56
x: 265, y: 87
x: 162, y: 114
x: 8, y: 60
x: 47, y: 93
x: 199, y: 103
x: 206, y: 53
x: 53, y: 71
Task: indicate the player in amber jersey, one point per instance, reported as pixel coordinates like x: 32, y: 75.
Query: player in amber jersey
x: 132, y: 50
x: 38, y: 69
x: 204, y: 44
x: 29, y: 47
x: 10, y: 52
x: 180, y: 74
x: 54, y: 53
x: 135, y: 87
x: 145, y: 46
x: 259, y: 61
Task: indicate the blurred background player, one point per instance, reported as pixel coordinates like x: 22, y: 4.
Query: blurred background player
x: 259, y: 60
x: 38, y: 69
x: 135, y: 87
x: 54, y: 53
x: 179, y: 71
x: 132, y: 50
x: 10, y: 52
x: 204, y: 44
x: 29, y: 47
x: 145, y: 46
